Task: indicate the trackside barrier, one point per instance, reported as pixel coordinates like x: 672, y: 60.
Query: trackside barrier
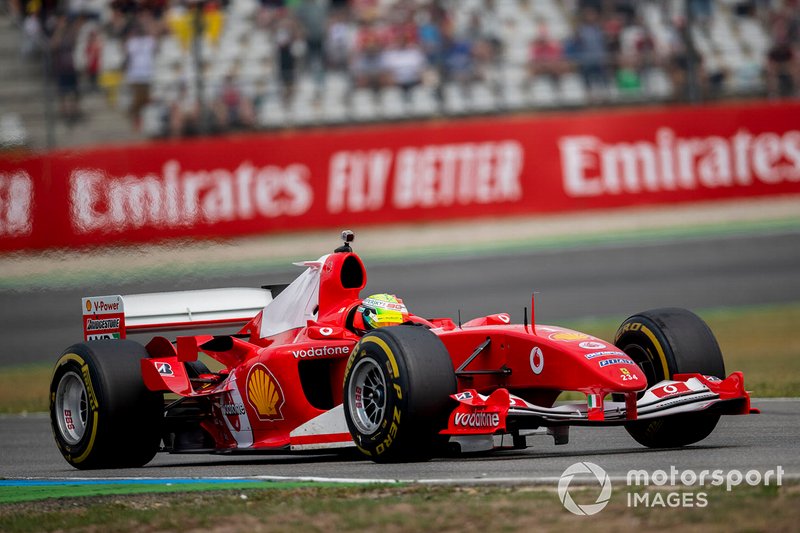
x: 529, y: 164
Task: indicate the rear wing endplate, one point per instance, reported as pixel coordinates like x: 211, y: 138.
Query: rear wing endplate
x: 112, y: 317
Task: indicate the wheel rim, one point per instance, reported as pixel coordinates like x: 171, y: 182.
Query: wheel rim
x: 367, y: 394
x: 71, y: 408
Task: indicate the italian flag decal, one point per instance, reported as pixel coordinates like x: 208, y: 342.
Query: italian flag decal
x: 595, y: 404
x: 592, y: 401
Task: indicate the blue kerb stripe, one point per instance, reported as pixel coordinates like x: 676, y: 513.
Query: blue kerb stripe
x: 160, y: 481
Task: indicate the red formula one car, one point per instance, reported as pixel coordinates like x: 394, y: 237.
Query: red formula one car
x: 306, y: 372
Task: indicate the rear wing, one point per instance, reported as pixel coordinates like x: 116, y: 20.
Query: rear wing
x: 112, y: 317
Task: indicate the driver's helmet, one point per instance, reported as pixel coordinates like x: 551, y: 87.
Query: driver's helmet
x: 381, y: 310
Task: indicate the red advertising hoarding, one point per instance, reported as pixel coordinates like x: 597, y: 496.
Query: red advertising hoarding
x: 531, y: 164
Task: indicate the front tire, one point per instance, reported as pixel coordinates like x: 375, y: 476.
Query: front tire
x: 101, y: 413
x: 397, y: 388
x: 665, y: 342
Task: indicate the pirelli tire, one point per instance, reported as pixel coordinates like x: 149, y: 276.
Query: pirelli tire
x: 665, y: 342
x: 397, y: 389
x: 101, y: 413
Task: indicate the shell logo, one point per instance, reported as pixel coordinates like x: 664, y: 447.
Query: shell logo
x: 264, y: 393
x: 569, y: 336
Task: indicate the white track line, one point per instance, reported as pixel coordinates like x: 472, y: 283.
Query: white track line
x: 546, y: 481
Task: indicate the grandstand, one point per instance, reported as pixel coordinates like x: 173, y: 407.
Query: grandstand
x: 263, y: 65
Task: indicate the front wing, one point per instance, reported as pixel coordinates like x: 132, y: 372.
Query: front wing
x: 501, y: 412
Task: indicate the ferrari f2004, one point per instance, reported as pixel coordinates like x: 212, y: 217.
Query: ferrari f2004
x: 313, y: 366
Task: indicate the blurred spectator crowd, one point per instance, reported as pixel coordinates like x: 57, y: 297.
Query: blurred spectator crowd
x: 183, y: 67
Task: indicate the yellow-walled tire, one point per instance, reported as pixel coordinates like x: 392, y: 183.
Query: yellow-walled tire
x: 397, y: 391
x: 101, y: 413
x: 665, y: 342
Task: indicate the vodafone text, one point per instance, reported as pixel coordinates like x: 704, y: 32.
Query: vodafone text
x: 477, y: 420
x: 321, y: 351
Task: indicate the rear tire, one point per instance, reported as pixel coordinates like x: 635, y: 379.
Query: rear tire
x: 397, y: 388
x: 101, y: 413
x: 665, y: 342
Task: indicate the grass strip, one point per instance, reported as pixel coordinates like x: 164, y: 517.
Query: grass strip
x: 409, y: 508
x: 30, y: 490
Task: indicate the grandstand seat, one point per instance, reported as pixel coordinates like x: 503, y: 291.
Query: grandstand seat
x: 258, y: 47
x: 336, y: 83
x: 253, y: 71
x: 229, y: 47
x: 482, y: 98
x: 455, y: 102
x: 513, y: 97
x: 753, y: 35
x: 333, y: 110
x: 657, y: 84
x: 423, y: 101
x: 243, y: 9
x: 362, y: 105
x: 153, y: 120
x: 12, y: 130
x: 517, y: 53
x: 170, y: 51
x: 303, y: 111
x: 112, y: 56
x: 746, y: 73
x: 272, y: 113
x: 543, y: 92
x: 572, y: 91
x: 392, y: 103
x: 305, y: 87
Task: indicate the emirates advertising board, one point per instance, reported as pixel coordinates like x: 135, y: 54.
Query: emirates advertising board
x: 372, y: 175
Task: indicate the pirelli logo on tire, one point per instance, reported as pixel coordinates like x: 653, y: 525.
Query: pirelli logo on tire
x: 87, y: 380
x: 652, y: 344
x: 391, y: 432
x: 632, y: 326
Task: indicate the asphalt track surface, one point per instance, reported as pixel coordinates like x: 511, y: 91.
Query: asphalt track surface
x: 760, y: 442
x: 576, y: 282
